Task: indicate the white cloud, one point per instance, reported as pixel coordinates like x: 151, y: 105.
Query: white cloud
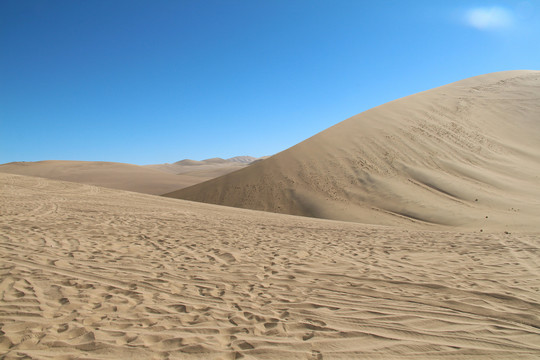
x: 489, y: 18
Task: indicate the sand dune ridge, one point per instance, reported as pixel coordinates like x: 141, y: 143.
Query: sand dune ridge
x: 463, y: 155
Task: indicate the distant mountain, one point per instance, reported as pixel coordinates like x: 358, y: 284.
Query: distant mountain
x: 214, y: 166
x: 186, y: 162
x: 243, y: 159
x: 215, y: 161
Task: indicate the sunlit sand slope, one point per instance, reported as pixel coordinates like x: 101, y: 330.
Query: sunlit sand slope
x: 89, y: 272
x: 465, y: 155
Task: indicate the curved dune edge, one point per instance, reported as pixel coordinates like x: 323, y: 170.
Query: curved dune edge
x: 89, y: 272
x: 150, y: 179
x: 464, y: 155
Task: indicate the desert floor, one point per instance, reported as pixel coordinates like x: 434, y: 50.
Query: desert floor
x: 94, y: 273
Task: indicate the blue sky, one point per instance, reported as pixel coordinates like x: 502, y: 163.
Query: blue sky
x: 158, y: 81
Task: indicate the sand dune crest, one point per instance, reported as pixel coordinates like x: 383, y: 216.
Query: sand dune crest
x: 463, y: 155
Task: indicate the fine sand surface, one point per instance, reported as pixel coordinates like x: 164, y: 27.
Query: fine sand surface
x: 93, y: 273
x: 463, y: 155
x: 150, y: 179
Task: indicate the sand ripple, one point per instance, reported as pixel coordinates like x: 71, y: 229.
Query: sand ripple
x: 88, y: 272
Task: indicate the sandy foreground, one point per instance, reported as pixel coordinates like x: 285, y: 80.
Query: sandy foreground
x: 94, y: 273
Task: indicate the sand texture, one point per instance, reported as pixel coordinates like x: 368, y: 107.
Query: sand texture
x: 93, y: 273
x: 463, y: 155
x: 150, y: 179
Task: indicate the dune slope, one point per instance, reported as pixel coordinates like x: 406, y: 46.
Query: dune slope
x: 89, y: 272
x: 114, y: 175
x: 464, y: 155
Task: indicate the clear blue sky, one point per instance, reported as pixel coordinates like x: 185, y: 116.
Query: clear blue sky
x: 160, y: 80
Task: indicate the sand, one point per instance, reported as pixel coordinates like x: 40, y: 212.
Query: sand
x: 208, y: 168
x: 439, y: 259
x: 149, y: 179
x: 465, y: 155
x: 94, y: 273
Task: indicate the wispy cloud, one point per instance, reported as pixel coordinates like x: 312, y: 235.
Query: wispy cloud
x: 489, y: 18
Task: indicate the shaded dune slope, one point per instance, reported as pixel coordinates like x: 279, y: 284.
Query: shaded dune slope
x: 465, y: 154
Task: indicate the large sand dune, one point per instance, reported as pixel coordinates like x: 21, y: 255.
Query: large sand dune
x: 94, y: 273
x: 466, y: 154
x: 150, y: 179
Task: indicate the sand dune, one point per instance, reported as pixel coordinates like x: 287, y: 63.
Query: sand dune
x: 463, y: 155
x: 89, y: 272
x: 154, y: 179
x: 213, y: 167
